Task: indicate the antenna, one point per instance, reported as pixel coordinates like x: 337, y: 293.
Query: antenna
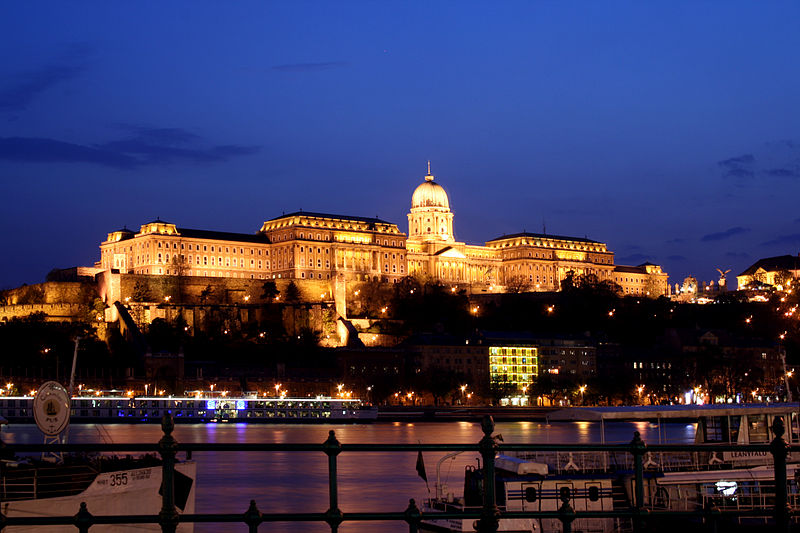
x: 544, y: 227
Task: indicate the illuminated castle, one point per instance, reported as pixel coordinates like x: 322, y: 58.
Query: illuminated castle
x: 320, y: 246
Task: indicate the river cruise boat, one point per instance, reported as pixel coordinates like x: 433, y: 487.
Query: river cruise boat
x: 677, y: 481
x: 198, y: 409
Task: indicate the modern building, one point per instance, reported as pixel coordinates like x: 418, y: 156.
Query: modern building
x: 320, y: 246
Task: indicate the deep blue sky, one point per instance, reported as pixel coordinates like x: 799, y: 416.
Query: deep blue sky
x: 669, y: 130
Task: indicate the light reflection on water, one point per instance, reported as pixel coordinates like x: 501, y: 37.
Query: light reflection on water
x: 298, y: 481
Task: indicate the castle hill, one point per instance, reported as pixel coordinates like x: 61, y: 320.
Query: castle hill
x: 345, y: 305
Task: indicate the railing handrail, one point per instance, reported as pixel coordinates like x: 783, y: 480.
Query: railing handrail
x: 488, y: 514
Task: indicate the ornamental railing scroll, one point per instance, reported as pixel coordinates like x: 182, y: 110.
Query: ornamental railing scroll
x: 486, y: 519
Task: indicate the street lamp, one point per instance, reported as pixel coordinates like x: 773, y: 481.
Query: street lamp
x: 582, y: 389
x: 640, y: 390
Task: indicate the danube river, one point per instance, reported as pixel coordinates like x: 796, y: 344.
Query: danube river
x: 298, y: 481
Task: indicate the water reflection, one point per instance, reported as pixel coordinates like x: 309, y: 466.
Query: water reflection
x: 298, y: 481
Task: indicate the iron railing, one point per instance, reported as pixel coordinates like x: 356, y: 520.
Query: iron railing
x: 486, y: 517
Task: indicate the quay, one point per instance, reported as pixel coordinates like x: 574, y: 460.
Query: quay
x: 429, y: 413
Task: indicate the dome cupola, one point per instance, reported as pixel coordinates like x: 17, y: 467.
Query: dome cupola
x: 430, y: 193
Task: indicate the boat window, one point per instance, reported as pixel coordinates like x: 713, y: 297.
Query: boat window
x: 757, y: 428
x: 530, y: 494
x: 594, y: 493
x: 713, y: 427
x: 735, y: 422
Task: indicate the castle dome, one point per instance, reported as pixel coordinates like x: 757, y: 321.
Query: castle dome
x: 430, y: 194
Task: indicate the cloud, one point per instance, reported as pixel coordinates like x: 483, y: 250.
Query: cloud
x: 738, y: 230
x: 783, y: 172
x: 41, y: 150
x: 797, y: 220
x: 310, y: 67
x: 676, y: 258
x: 19, y: 93
x: 783, y: 240
x: 676, y: 240
x: 737, y: 255
x: 167, y: 136
x: 635, y: 258
x: 738, y: 167
x: 152, y: 153
x: 152, y: 146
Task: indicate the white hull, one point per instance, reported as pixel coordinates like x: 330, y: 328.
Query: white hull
x: 123, y: 492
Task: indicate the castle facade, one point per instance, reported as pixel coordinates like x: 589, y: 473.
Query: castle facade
x: 320, y: 246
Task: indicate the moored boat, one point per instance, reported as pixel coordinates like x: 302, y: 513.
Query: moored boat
x: 199, y: 408
x: 676, y: 481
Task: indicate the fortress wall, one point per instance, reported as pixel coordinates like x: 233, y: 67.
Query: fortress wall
x: 55, y: 312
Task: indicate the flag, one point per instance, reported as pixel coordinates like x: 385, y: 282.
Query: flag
x: 421, y: 467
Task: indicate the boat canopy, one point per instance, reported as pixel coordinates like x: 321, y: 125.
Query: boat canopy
x: 657, y: 412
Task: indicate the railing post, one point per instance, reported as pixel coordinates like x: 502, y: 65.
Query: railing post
x: 780, y: 450
x: 413, y: 516
x: 490, y: 515
x: 252, y: 517
x: 167, y: 446
x: 566, y: 512
x: 333, y: 516
x: 83, y: 519
x: 638, y: 449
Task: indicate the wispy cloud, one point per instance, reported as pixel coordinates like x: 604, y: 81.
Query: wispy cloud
x: 783, y: 240
x: 737, y: 255
x: 151, y: 146
x: 784, y: 172
x: 310, y: 67
x: 23, y: 88
x: 738, y: 167
x: 676, y: 240
x: 41, y: 150
x: 728, y: 233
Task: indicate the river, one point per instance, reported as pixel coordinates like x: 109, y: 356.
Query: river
x: 298, y: 481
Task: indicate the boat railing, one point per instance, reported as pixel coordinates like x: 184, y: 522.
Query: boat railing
x: 559, y: 462
x: 642, y: 512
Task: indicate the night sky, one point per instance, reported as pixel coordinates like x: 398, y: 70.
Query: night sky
x: 669, y: 130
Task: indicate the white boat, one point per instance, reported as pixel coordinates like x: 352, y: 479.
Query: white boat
x: 57, y: 484
x: 42, y: 490
x: 604, y: 481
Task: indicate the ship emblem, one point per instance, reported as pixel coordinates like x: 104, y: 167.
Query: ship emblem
x: 51, y: 408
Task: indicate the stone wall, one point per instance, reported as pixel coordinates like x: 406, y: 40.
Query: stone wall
x: 203, y: 290
x: 55, y: 312
x: 50, y: 292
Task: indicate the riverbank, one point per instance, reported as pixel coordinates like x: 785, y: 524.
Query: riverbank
x: 429, y: 413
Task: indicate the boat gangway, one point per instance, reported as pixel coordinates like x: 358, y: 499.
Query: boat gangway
x: 640, y: 516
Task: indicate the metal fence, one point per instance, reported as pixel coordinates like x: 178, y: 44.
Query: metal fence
x: 487, y: 517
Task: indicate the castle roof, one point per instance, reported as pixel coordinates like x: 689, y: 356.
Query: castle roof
x: 774, y: 264
x: 258, y: 238
x: 543, y: 236
x: 313, y: 214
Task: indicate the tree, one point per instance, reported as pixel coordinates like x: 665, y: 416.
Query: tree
x: 500, y: 387
x: 141, y: 292
x: 206, y: 294
x: 269, y: 291
x: 292, y: 293
x: 518, y: 283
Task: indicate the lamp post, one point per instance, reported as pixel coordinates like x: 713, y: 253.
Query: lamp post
x: 582, y: 389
